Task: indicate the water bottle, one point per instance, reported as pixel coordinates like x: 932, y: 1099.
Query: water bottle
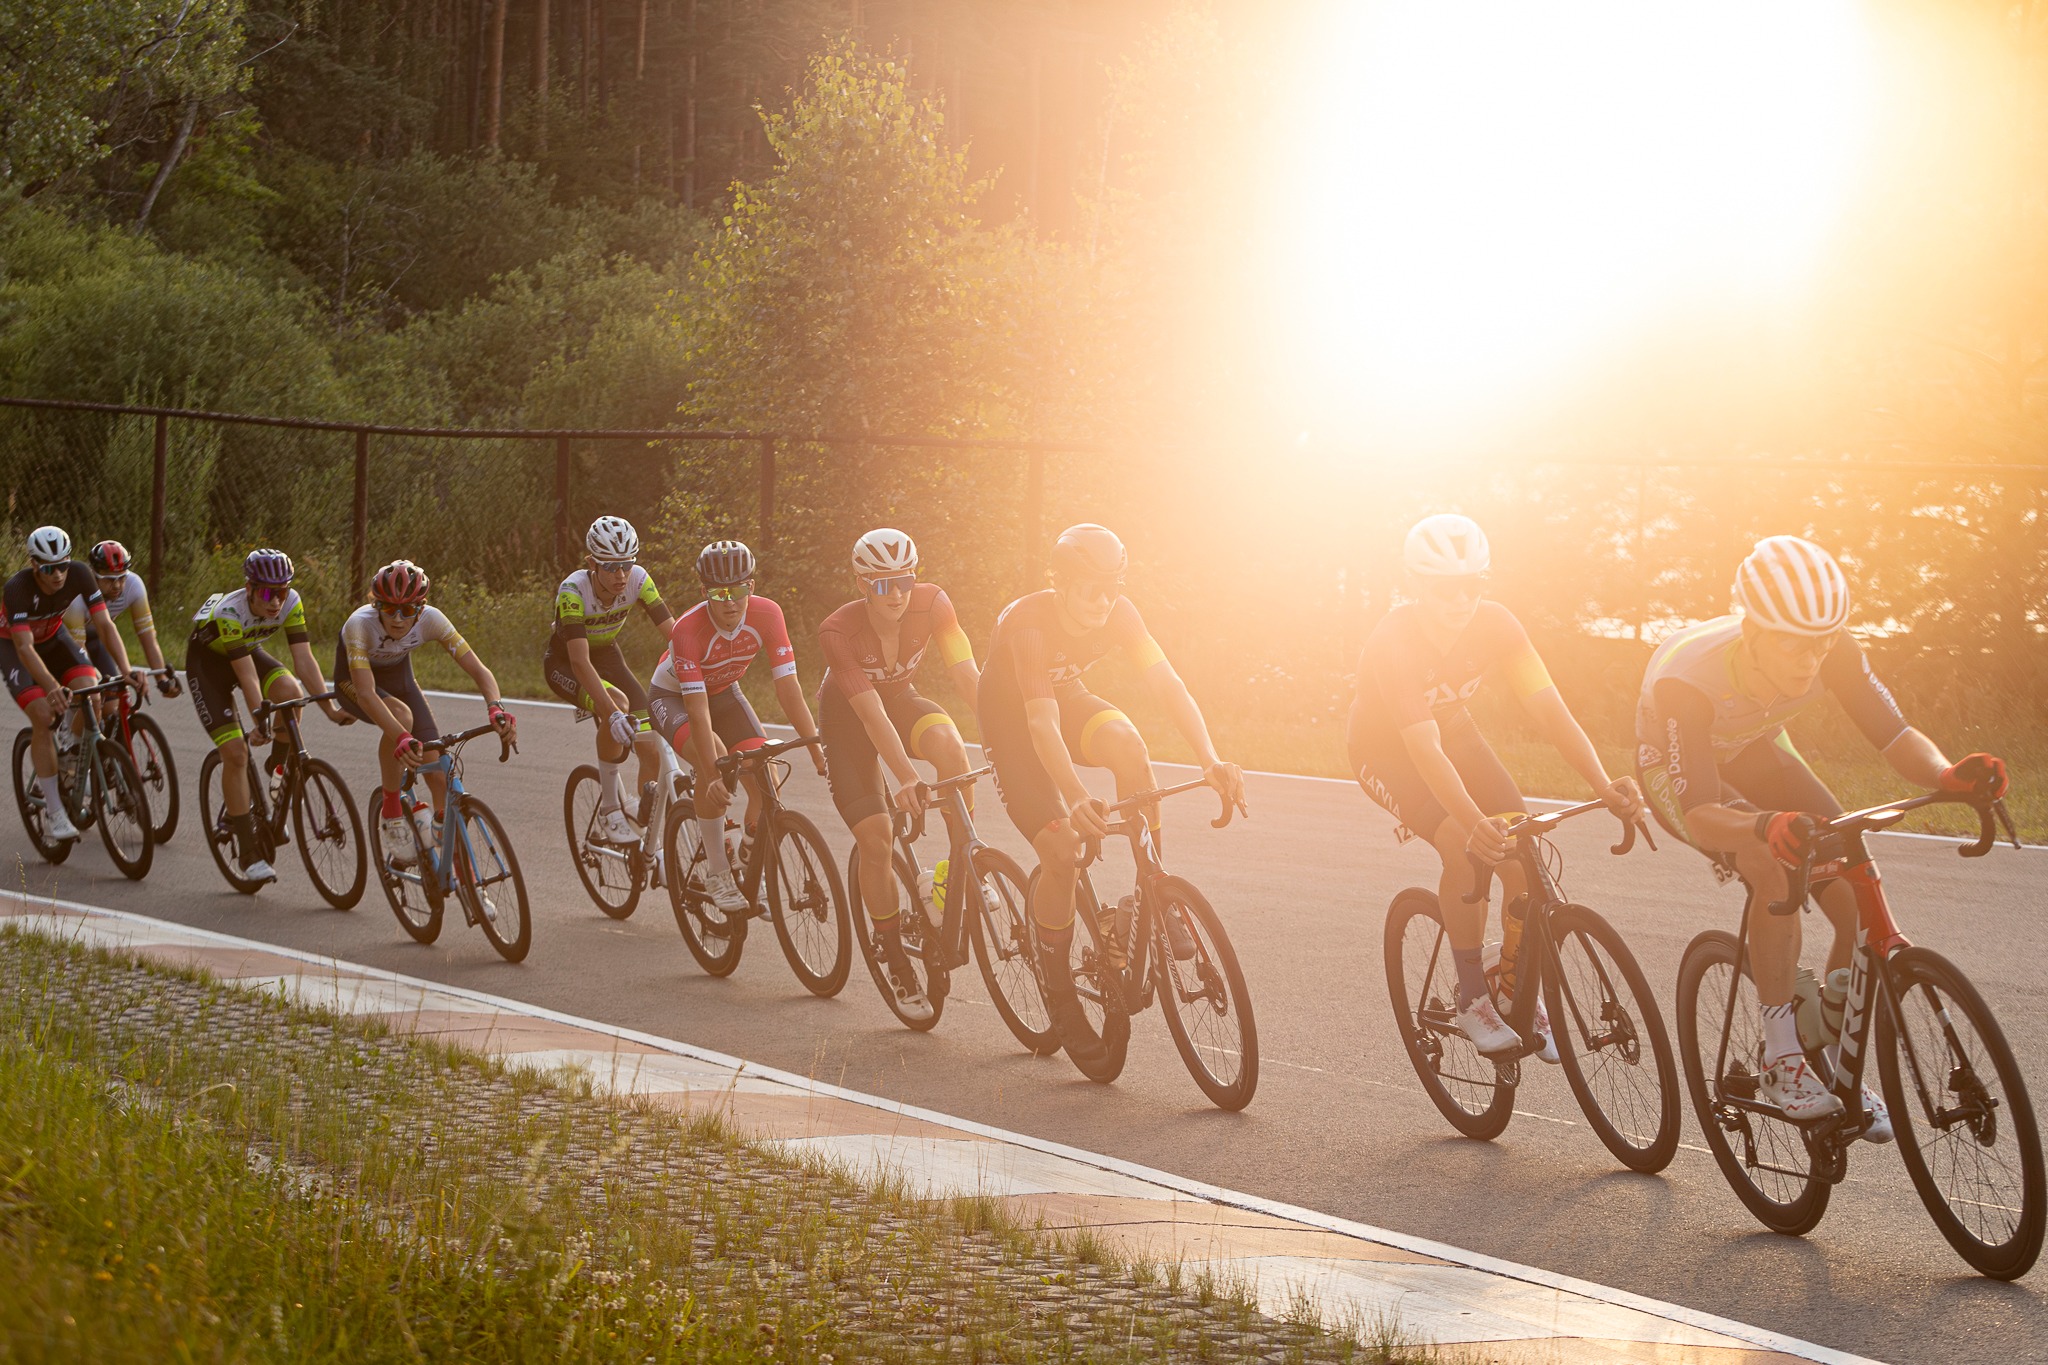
x: 1511, y: 916
x: 1813, y: 1034
x: 1834, y: 996
x: 935, y: 891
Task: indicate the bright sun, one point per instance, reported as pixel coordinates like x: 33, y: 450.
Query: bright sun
x: 1475, y: 197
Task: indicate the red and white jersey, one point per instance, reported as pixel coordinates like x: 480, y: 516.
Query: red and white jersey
x: 699, y: 659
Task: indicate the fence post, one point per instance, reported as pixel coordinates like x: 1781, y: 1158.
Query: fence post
x: 562, y: 555
x: 767, y: 534
x: 359, y: 537
x: 1034, y: 512
x: 159, y: 476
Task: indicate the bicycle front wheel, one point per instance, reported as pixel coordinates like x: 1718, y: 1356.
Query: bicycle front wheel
x: 329, y: 833
x: 611, y: 875
x: 1208, y: 1006
x: 712, y: 939
x: 1763, y: 1156
x: 1422, y: 981
x: 808, y: 905
x: 1960, y: 1108
x: 1611, y: 1040
x: 1099, y: 983
x: 487, y: 878
x: 151, y: 752
x: 28, y: 799
x: 1002, y: 945
x: 121, y: 810
x: 412, y: 890
x: 921, y: 947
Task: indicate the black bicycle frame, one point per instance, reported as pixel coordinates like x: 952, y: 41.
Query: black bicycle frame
x: 963, y: 851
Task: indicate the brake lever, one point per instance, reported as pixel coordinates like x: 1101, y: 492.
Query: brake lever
x: 1796, y: 887
x: 1230, y: 811
x: 2005, y: 818
x: 1987, y: 834
x: 1628, y: 839
x: 1482, y: 887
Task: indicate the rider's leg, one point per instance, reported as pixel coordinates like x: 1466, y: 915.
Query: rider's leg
x: 878, y: 872
x: 1052, y: 896
x: 1464, y: 922
x: 280, y: 686
x: 1107, y: 739
x: 936, y: 740
x: 389, y: 770
x: 1838, y: 902
x: 611, y: 757
x: 42, y: 747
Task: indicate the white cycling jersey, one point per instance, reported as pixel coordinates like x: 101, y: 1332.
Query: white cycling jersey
x: 132, y: 595
x: 367, y: 644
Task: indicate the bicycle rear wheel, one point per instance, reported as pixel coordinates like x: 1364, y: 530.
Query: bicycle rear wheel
x: 213, y: 816
x: 413, y: 891
x: 487, y: 878
x: 808, y: 905
x: 1960, y: 1108
x: 1764, y: 1158
x: 921, y: 947
x: 121, y: 810
x: 712, y: 939
x: 329, y: 833
x: 151, y: 752
x: 611, y: 876
x: 1099, y: 982
x: 1422, y: 981
x: 28, y: 799
x: 1207, y: 1004
x: 1611, y: 1040
x: 1002, y: 945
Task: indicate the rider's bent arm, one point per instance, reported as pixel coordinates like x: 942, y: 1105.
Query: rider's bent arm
x: 1181, y: 709
x: 703, y: 740
x: 1547, y: 708
x: 790, y: 692
x: 602, y: 704
x: 1916, y: 758
x: 1869, y: 703
x: 956, y: 651
x: 314, y: 680
x: 244, y: 666
x: 874, y: 719
x: 486, y: 681
x: 25, y: 648
x: 110, y: 636
x: 1425, y: 745
x: 145, y: 627
x: 1042, y: 717
x: 1687, y: 717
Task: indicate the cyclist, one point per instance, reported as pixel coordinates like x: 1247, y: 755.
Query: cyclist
x: 585, y: 666
x: 225, y: 653
x: 125, y: 593
x: 697, y: 705
x: 373, y: 674
x: 1417, y: 752
x: 1038, y: 720
x: 1722, y: 774
x: 41, y: 661
x: 872, y: 717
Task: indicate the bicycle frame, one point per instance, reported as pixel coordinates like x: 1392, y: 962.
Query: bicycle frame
x: 441, y: 857
x: 1136, y: 942
x: 963, y: 851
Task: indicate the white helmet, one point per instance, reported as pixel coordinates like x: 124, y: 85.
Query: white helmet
x: 1792, y: 585
x: 49, y: 545
x: 1446, y: 545
x: 884, y: 550
x: 612, y: 540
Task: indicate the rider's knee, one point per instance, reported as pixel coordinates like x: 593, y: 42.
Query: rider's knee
x: 41, y: 713
x: 1058, y: 846
x: 234, y: 752
x: 1120, y: 748
x: 400, y: 711
x: 943, y: 748
x: 1761, y: 871
x: 874, y: 834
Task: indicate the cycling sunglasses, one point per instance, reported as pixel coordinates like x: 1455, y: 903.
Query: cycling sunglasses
x: 737, y: 592
x: 404, y: 611
x: 882, y: 587
x: 1099, y: 589
x: 614, y: 565
x: 1456, y: 589
x: 267, y: 593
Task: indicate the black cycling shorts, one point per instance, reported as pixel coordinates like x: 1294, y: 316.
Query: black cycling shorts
x: 394, y: 682
x: 212, y: 680
x: 1029, y: 794
x: 732, y: 719
x: 60, y: 654
x: 1767, y: 775
x: 853, y: 767
x: 1383, y: 767
x: 609, y: 661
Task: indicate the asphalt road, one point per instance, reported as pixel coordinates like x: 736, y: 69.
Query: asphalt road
x: 1339, y: 1124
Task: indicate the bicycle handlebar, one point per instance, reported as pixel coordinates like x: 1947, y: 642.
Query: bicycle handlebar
x: 1092, y: 847
x: 506, y: 748
x: 1991, y: 813
x: 731, y: 763
x: 94, y: 689
x: 1536, y: 826
x: 293, y: 704
x: 914, y: 829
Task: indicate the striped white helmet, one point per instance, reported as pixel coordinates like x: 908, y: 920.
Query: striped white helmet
x: 612, y: 540
x: 1792, y: 585
x: 49, y: 545
x: 1446, y: 545
x: 884, y: 550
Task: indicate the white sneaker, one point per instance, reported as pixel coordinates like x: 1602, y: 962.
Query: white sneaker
x: 614, y: 828
x: 395, y: 833
x: 725, y: 894
x: 1880, y: 1130
x: 1481, y: 1024
x: 1790, y: 1084
x: 259, y: 871
x: 57, y: 824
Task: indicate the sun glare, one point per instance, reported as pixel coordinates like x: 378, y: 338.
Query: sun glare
x: 1478, y: 198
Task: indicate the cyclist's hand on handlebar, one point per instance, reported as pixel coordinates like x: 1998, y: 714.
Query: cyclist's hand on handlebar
x: 336, y: 714
x: 1227, y: 780
x: 505, y: 723
x: 622, y: 728
x: 1789, y: 834
x: 1090, y: 818
x: 259, y: 731
x: 818, y: 758
x: 1488, y: 840
x: 1976, y: 775
x: 138, y: 679
x: 60, y: 702
x: 170, y: 684
x: 1624, y: 798
x: 713, y: 797
x: 909, y: 798
x: 408, y: 751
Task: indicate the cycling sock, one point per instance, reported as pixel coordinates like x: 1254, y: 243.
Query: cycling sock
x: 244, y: 826
x: 608, y: 797
x: 276, y: 761
x: 53, y: 795
x: 1781, y: 1032
x: 712, y: 832
x: 393, y: 807
x: 1471, y: 974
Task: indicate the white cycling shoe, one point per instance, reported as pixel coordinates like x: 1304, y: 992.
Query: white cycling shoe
x: 614, y: 828
x: 395, y: 833
x: 57, y: 825
x: 1483, y: 1027
x: 259, y: 871
x: 725, y: 894
x: 1880, y: 1130
x: 1790, y: 1083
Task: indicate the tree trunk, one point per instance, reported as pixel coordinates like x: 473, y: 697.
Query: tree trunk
x: 170, y: 163
x: 583, y: 62
x: 540, y: 75
x: 494, y: 79
x: 640, y: 46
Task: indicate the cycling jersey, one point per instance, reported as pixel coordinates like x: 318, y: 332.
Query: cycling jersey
x: 365, y: 643
x: 130, y: 596
x: 1404, y: 680
x: 854, y: 660
x: 582, y: 613
x: 700, y: 659
x: 1032, y: 654
x: 40, y: 613
x: 228, y: 626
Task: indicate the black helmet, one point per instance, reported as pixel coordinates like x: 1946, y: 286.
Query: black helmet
x: 1088, y: 551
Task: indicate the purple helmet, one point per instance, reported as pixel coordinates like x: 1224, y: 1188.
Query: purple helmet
x: 271, y: 567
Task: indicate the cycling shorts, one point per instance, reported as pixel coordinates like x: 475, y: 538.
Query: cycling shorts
x: 394, y: 683
x: 211, y: 677
x: 610, y: 663
x: 853, y: 767
x: 1768, y: 775
x: 60, y: 654
x: 732, y: 719
x: 1389, y: 775
x: 1029, y: 794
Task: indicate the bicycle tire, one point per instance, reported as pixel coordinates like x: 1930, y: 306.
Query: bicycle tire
x: 474, y: 874
x: 1189, y: 993
x: 1962, y: 1220
x: 1612, y: 1029
x: 611, y: 878
x: 713, y: 940
x: 415, y: 899
x: 220, y: 837
x: 1002, y: 948
x: 117, y: 798
x: 150, y: 750
x: 919, y: 947
x: 1105, y: 1011
x: 28, y: 801
x: 1780, y: 1186
x: 807, y: 902
x: 330, y: 837
x: 1472, y: 1094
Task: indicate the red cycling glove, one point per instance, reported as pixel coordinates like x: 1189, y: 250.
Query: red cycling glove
x: 1976, y: 775
x: 1789, y: 834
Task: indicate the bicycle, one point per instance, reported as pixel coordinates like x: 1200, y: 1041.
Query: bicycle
x: 1121, y: 968
x: 1610, y: 1035
x: 614, y: 874
x: 985, y: 915
x: 473, y: 855
x: 99, y: 785
x: 309, y: 792
x: 1932, y: 1031
x: 784, y: 870
x: 150, y: 750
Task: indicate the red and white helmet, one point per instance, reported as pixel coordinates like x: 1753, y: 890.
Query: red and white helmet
x: 884, y: 551
x: 399, y: 584
x: 1446, y: 545
x: 1792, y: 585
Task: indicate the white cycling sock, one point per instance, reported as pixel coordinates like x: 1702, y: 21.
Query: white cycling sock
x: 53, y: 795
x: 1781, y: 1032
x: 608, y: 785
x: 712, y: 832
